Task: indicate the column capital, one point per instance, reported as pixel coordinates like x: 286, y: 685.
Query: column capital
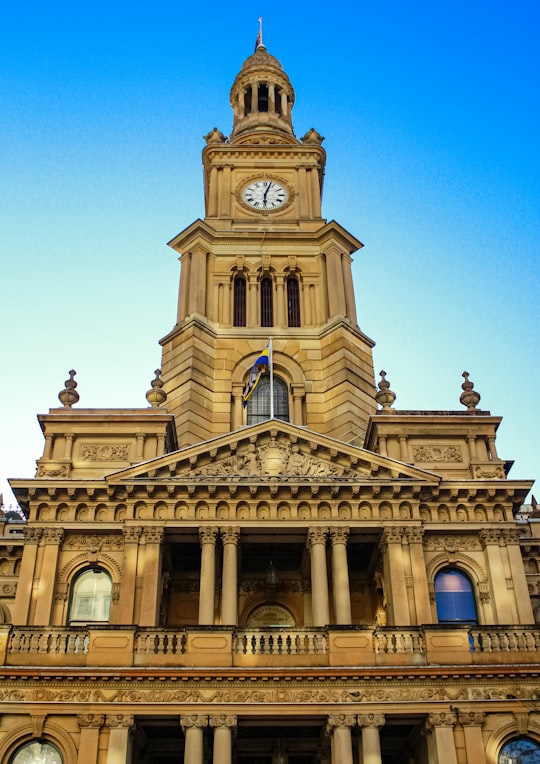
x: 120, y: 720
x: 208, y: 534
x: 230, y: 535
x: 371, y: 720
x: 390, y: 535
x: 510, y: 536
x: 490, y: 536
x: 92, y: 721
x: 223, y: 720
x: 317, y: 536
x: 415, y: 534
x: 154, y: 534
x: 32, y: 535
x: 195, y: 721
x: 339, y: 720
x: 53, y: 535
x: 471, y: 719
x: 441, y: 720
x: 339, y: 534
x: 132, y: 534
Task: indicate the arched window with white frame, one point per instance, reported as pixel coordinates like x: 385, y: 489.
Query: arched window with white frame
x: 91, y: 595
x: 258, y: 406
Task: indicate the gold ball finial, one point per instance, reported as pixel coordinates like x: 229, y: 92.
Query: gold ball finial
x: 69, y: 395
x: 468, y: 397
x: 384, y: 396
x: 156, y: 396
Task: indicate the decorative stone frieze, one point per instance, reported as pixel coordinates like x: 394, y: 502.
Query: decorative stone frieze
x: 452, y: 543
x: 104, y: 452
x: 94, y: 542
x: 436, y: 454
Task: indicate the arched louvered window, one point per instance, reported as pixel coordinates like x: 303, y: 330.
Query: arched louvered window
x: 454, y: 597
x: 258, y: 406
x: 267, y: 301
x: 239, y: 307
x: 91, y: 596
x: 293, y: 301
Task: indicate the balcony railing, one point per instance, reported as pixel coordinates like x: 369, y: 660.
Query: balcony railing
x: 227, y: 646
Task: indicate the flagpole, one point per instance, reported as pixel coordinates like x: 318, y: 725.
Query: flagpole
x: 271, y: 361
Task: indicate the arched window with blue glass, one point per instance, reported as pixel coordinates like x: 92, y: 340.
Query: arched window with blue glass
x: 258, y: 405
x: 454, y: 596
x: 91, y: 595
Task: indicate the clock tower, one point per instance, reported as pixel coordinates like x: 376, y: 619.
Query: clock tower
x: 264, y: 262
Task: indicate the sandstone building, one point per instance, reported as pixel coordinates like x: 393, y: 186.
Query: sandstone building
x: 315, y: 576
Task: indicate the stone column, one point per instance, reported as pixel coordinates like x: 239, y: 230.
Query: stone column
x: 298, y: 391
x: 505, y: 611
x: 271, y: 97
x: 339, y: 727
x: 440, y: 738
x: 126, y: 604
x: 336, y: 288
x: 224, y: 727
x: 238, y: 408
x: 340, y: 576
x: 119, y: 751
x: 26, y: 576
x: 151, y: 576
x: 371, y: 737
x: 319, y: 576
x: 303, y: 196
x: 346, y: 261
x: 519, y: 580
x: 193, y: 727
x: 207, y: 586
x: 226, y: 190
x: 52, y: 538
x: 252, y: 306
x: 68, y: 448
x: 185, y: 278
x: 90, y: 725
x: 229, y: 581
x: 419, y: 575
x: 474, y: 742
x: 394, y: 576
x: 281, y: 312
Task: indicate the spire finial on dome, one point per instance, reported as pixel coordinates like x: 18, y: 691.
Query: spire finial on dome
x: 468, y: 397
x: 259, y: 40
x: 384, y: 396
x: 69, y: 395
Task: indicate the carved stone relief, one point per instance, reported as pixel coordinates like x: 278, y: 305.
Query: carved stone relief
x: 436, y: 454
x: 104, y: 452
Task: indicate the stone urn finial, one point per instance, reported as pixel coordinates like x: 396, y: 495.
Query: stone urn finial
x: 384, y: 396
x: 156, y: 396
x: 69, y: 395
x: 468, y: 397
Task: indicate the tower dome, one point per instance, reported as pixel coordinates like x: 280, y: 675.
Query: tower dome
x: 262, y: 96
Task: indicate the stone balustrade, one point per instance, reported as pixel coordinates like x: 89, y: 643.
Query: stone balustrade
x: 191, y: 646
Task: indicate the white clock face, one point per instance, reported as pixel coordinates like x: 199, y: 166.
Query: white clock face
x: 264, y: 195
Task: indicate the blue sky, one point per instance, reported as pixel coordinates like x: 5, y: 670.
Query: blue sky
x: 431, y: 117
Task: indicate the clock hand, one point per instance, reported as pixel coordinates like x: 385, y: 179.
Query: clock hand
x: 266, y: 191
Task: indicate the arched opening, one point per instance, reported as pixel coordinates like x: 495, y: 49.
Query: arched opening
x: 518, y: 750
x: 293, y: 301
x: 454, y: 597
x: 258, y: 406
x: 247, y: 100
x: 267, y: 301
x: 37, y: 752
x: 91, y: 596
x: 263, y: 98
x: 239, y: 301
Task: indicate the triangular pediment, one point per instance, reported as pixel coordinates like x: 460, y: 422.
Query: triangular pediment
x: 274, y: 450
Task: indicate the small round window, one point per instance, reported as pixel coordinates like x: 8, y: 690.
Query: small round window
x: 521, y: 750
x: 37, y: 752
